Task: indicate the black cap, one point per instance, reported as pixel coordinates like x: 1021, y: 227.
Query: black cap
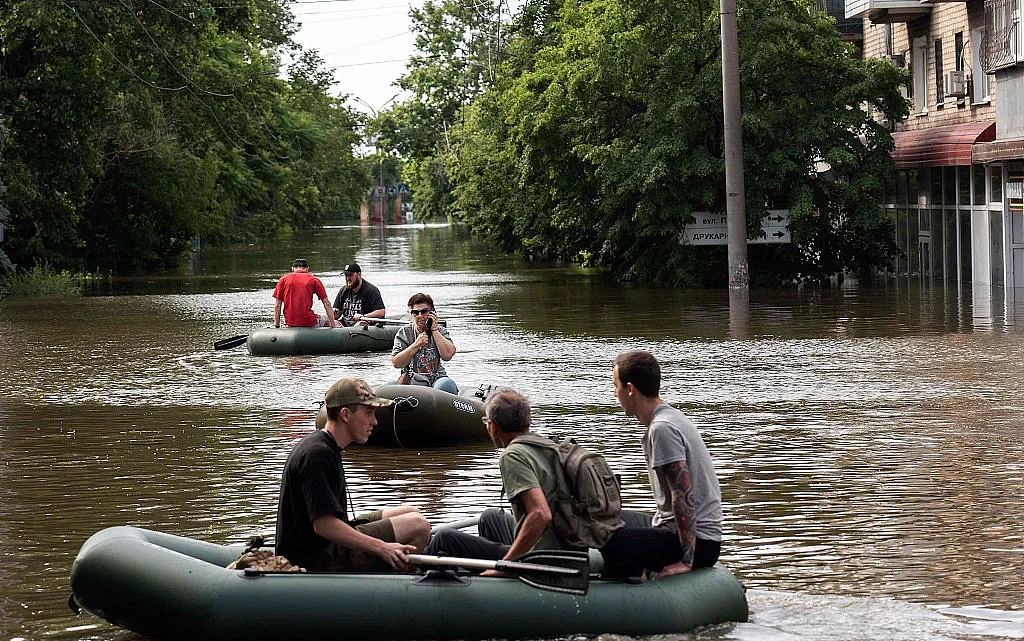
x: 300, y: 262
x: 352, y: 268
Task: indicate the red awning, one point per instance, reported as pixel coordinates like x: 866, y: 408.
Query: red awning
x: 941, y: 146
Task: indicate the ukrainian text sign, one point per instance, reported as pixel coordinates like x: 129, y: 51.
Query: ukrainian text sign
x: 711, y: 229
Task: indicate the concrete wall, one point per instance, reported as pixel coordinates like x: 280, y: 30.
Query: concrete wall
x: 1010, y: 110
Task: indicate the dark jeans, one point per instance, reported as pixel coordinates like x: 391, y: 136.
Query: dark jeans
x: 638, y: 547
x: 497, y: 531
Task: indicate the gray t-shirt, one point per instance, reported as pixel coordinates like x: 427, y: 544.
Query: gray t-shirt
x: 672, y: 437
x: 426, y: 360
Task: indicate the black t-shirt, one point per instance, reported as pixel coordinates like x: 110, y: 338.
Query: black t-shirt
x: 367, y: 300
x: 313, y: 484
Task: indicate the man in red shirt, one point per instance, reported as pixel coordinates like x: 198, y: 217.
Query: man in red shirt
x: 295, y: 291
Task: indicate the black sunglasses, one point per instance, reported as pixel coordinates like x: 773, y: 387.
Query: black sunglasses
x: 417, y: 312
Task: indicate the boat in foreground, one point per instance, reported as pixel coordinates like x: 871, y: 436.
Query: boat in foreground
x: 297, y: 341
x: 426, y: 417
x: 169, y: 587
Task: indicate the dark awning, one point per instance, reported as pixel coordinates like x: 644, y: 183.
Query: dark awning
x: 941, y: 146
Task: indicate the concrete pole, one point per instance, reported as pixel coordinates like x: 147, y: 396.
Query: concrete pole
x: 735, y: 209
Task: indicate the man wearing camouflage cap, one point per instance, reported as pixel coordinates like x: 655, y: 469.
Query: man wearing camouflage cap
x: 314, y: 529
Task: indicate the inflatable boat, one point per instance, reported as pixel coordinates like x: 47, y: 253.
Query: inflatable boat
x: 173, y: 588
x: 426, y: 417
x: 296, y: 341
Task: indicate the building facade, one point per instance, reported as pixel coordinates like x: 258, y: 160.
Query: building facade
x: 957, y: 199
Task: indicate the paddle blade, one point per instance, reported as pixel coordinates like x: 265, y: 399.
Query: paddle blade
x: 228, y: 343
x: 540, y: 569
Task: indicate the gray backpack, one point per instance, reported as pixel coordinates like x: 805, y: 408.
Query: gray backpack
x: 587, y: 504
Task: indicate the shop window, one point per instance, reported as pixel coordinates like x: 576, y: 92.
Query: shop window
x: 979, y: 185
x: 936, y: 242
x: 949, y: 186
x: 949, y: 246
x: 935, y: 184
x: 996, y: 193
x: 996, y: 247
x: 965, y: 246
x: 963, y: 175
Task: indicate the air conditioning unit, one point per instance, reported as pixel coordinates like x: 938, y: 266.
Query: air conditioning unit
x: 955, y: 85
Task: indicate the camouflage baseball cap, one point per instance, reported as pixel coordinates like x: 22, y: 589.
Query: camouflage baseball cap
x: 353, y: 391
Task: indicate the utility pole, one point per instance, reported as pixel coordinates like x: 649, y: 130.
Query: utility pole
x: 735, y: 206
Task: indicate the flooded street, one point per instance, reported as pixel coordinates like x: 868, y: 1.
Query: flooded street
x: 869, y: 442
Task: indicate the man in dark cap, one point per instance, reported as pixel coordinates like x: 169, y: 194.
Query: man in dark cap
x: 295, y: 292
x: 314, y: 529
x: 359, y: 299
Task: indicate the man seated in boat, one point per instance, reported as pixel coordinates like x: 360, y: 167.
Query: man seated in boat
x: 314, y: 529
x: 420, y: 347
x: 686, y: 531
x: 358, y: 300
x: 295, y: 292
x: 530, y: 478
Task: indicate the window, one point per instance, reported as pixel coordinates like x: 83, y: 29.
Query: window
x: 919, y: 73
x: 940, y: 94
x: 979, y: 79
x: 979, y: 183
x: 996, y: 174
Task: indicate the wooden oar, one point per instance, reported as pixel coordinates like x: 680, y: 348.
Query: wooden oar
x: 555, y: 570
x: 228, y: 343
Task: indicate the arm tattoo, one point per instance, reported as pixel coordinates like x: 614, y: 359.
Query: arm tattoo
x: 678, y: 476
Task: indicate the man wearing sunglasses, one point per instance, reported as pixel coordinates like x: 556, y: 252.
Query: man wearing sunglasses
x: 421, y: 346
x: 358, y: 299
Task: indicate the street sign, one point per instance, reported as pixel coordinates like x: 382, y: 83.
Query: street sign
x: 711, y: 229
x: 403, y: 189
x: 378, y: 191
x: 392, y: 190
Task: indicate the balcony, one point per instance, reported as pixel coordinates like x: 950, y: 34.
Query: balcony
x: 882, y: 11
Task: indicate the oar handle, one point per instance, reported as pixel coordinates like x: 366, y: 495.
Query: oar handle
x: 482, y: 564
x: 456, y: 525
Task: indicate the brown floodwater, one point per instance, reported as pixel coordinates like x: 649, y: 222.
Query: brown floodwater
x: 869, y: 441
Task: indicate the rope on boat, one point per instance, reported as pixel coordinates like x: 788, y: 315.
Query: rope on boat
x: 373, y: 338
x: 408, y: 401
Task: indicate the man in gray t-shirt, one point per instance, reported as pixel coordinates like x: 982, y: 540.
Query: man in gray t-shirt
x: 686, y: 531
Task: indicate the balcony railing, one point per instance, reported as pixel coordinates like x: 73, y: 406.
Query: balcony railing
x: 1001, y: 47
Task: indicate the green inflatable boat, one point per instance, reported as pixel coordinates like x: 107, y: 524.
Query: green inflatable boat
x: 173, y: 588
x: 426, y: 417
x: 300, y: 341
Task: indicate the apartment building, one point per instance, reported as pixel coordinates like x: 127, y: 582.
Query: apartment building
x: 957, y: 200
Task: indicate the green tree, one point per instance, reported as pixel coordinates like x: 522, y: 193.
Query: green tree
x: 137, y: 127
x: 602, y: 146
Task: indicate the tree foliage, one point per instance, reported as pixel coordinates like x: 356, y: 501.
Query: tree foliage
x: 138, y: 126
x: 600, y: 135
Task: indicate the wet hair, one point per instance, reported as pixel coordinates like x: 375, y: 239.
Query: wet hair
x: 509, y: 410
x: 421, y: 298
x: 642, y: 370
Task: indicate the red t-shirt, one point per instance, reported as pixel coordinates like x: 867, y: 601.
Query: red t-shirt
x: 296, y: 291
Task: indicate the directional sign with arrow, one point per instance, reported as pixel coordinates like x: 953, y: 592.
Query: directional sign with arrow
x: 710, y: 229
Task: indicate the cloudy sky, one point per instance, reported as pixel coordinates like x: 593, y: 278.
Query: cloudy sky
x: 366, y: 42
